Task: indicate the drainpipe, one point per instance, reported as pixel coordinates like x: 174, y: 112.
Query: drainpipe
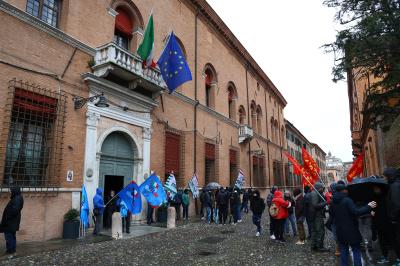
x: 266, y: 123
x: 195, y: 95
x: 195, y: 106
x: 281, y: 141
x: 248, y: 122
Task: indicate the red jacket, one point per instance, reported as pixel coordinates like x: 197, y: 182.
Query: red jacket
x: 281, y: 204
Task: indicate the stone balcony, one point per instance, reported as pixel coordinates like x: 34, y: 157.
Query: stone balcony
x: 245, y: 133
x: 115, y: 63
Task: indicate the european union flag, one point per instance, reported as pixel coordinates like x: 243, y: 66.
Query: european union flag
x: 153, y: 190
x: 174, y: 68
x: 130, y: 195
x: 84, y: 208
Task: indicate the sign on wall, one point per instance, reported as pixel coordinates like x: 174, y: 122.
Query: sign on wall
x: 70, y: 176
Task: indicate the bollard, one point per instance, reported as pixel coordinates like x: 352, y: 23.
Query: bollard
x: 116, y: 226
x: 171, y: 217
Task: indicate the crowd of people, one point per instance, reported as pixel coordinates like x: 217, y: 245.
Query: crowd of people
x: 354, y: 225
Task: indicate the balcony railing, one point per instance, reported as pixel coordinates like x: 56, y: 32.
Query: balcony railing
x: 245, y: 133
x: 111, y: 58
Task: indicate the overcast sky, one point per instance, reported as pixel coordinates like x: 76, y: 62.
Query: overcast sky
x: 284, y: 37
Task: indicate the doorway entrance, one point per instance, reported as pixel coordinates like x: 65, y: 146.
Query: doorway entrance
x: 116, y: 169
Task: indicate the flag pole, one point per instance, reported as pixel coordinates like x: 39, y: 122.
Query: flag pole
x: 319, y: 194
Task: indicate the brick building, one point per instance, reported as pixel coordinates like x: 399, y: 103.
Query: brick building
x: 79, y: 109
x: 374, y: 122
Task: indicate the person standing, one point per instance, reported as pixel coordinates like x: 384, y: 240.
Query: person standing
x: 299, y: 212
x: 98, y: 209
x: 281, y: 216
x: 245, y: 201
x: 393, y: 206
x: 111, y: 207
x: 177, y: 202
x: 308, y: 210
x: 150, y: 211
x: 222, y: 202
x: 270, y: 197
x: 215, y: 206
x: 347, y: 230
x: 207, y: 205
x: 185, y: 204
x: 203, y: 212
x: 257, y: 206
x: 11, y: 219
x: 317, y: 214
x: 291, y: 220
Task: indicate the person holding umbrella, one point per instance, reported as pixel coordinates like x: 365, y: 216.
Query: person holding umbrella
x: 347, y: 230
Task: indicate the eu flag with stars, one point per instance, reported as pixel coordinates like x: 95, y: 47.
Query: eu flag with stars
x: 174, y: 68
x: 130, y: 195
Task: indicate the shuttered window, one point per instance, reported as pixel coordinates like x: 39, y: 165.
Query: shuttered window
x: 172, y: 153
x: 209, y: 173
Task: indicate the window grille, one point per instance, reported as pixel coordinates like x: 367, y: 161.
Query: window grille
x: 46, y: 10
x: 32, y: 136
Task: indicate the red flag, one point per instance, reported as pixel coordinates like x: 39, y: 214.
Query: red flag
x: 307, y: 179
x: 357, y: 168
x: 310, y: 165
x: 296, y: 166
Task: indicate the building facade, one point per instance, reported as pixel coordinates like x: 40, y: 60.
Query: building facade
x: 374, y: 122
x: 335, y: 170
x: 295, y: 142
x: 79, y: 109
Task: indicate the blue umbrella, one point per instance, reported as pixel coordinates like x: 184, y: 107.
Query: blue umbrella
x: 367, y: 189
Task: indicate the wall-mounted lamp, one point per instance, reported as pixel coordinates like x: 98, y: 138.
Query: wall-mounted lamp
x: 79, y: 102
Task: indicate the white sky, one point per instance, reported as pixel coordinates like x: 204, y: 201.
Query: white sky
x: 284, y: 37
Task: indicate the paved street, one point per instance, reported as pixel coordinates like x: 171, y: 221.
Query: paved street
x: 191, y: 244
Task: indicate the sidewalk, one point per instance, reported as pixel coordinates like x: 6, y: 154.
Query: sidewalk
x: 29, y: 248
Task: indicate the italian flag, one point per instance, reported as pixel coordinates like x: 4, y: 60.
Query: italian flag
x: 146, y: 48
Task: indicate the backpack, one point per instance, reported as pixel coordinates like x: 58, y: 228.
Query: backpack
x: 273, y: 210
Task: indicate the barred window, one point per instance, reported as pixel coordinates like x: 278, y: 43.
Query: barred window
x: 258, y: 171
x: 46, y: 10
x: 34, y: 132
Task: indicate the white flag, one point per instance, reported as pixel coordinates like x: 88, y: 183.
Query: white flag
x: 194, y: 186
x: 240, y: 180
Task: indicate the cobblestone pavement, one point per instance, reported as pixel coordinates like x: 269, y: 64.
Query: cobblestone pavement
x: 191, y: 244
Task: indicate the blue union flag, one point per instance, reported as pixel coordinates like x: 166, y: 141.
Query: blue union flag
x: 174, y: 68
x: 152, y: 189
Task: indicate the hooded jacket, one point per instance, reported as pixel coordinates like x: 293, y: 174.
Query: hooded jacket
x: 393, y: 198
x: 317, y: 207
x: 347, y: 223
x: 98, y: 202
x: 257, y: 205
x: 222, y: 199
x: 270, y: 196
x: 12, y: 213
x: 281, y: 204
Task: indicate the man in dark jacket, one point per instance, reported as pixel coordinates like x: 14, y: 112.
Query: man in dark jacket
x: 300, y: 216
x: 393, y: 206
x: 257, y: 206
x: 245, y: 201
x: 317, y: 214
x: 222, y: 202
x: 347, y: 230
x: 98, y: 209
x: 11, y: 219
x: 270, y: 197
x: 307, y: 205
x: 207, y: 205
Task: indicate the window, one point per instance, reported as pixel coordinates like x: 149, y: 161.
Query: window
x: 123, y: 28
x: 172, y: 154
x: 233, y: 170
x: 242, y: 115
x: 258, y: 171
x: 209, y: 173
x: 46, y: 10
x: 259, y: 116
x: 232, y: 102
x: 33, y: 151
x: 277, y: 171
x: 209, y: 86
x: 253, y: 109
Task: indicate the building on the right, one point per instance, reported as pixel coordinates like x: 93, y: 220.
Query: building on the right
x: 374, y: 122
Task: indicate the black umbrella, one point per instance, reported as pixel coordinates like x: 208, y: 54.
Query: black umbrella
x: 367, y: 189
x: 213, y: 185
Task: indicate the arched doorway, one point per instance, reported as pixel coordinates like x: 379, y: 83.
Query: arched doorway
x: 116, y: 163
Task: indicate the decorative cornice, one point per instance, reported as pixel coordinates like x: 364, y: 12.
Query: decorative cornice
x: 119, y: 91
x: 43, y: 26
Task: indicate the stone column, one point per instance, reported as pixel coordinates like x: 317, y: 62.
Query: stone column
x: 91, y: 179
x: 137, y: 37
x: 146, y: 152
